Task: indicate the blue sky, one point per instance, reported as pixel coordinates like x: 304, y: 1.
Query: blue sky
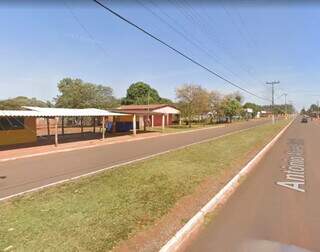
x: 246, y: 44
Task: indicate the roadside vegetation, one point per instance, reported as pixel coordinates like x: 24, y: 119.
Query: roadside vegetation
x: 197, y: 104
x: 180, y: 128
x: 96, y: 213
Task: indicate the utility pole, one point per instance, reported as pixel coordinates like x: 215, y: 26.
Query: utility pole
x: 272, y: 83
x: 285, y: 104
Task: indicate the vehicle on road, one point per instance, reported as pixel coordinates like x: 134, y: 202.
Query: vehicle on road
x: 304, y: 119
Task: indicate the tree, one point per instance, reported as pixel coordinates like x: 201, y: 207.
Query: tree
x: 78, y: 94
x: 143, y: 93
x: 236, y: 96
x: 192, y: 100
x: 215, y: 100
x: 255, y: 107
x: 18, y: 102
x: 279, y: 108
x: 231, y: 107
x: 313, y: 108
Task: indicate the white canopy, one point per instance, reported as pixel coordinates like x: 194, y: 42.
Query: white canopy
x: 20, y: 113
x: 53, y: 112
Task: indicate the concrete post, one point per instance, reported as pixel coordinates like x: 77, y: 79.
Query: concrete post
x: 163, y: 121
x: 94, y: 124
x: 114, y: 122
x: 62, y: 125
x: 48, y: 126
x: 56, y: 132
x: 81, y: 123
x: 167, y: 119
x: 145, y: 123
x: 103, y: 127
x: 152, y: 121
x: 134, y: 124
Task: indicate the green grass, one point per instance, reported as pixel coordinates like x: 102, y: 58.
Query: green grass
x: 180, y: 128
x: 95, y: 213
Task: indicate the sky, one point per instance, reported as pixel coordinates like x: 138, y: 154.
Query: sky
x: 247, y: 44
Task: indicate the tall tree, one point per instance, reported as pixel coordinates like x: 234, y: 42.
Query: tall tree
x: 143, y: 93
x: 236, y: 96
x: 255, y: 107
x: 313, y: 108
x: 215, y: 100
x: 192, y: 100
x: 74, y: 93
x: 231, y: 107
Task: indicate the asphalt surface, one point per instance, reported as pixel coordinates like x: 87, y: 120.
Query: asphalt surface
x: 25, y: 174
x: 270, y: 211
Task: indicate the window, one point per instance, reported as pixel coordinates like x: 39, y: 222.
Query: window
x: 11, y: 123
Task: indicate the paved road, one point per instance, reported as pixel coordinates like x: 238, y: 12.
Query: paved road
x: 29, y: 173
x: 278, y: 204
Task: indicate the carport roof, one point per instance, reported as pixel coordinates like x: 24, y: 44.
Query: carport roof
x: 56, y: 112
x: 20, y: 113
x: 138, y: 112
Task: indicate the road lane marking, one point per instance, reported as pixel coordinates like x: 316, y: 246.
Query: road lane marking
x: 126, y: 163
x: 220, y: 198
x: 295, y: 173
x: 98, y: 144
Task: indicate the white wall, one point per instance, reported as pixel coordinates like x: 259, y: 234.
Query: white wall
x: 167, y: 110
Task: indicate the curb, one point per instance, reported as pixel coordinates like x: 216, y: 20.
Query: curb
x: 183, y: 234
x: 104, y: 144
x: 124, y: 163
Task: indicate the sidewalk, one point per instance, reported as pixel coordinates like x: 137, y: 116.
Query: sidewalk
x: 12, y: 154
x: 39, y: 150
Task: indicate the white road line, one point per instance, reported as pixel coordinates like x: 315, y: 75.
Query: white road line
x: 121, y: 164
x: 183, y: 234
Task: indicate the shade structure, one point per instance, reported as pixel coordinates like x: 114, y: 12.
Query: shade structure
x: 58, y: 112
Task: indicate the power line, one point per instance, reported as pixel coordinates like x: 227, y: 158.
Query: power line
x: 184, y: 34
x: 272, y: 83
x: 91, y: 37
x: 207, y: 29
x: 177, y: 51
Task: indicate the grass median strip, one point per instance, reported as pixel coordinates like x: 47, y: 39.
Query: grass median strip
x: 182, y: 128
x: 95, y: 213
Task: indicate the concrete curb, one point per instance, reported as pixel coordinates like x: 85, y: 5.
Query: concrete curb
x: 123, y: 163
x: 105, y: 143
x: 183, y: 234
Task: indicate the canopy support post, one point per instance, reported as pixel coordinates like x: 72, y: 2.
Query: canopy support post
x: 48, y: 127
x: 163, y: 122
x: 134, y: 124
x: 103, y: 127
x: 56, y: 132
x: 62, y: 125
x: 152, y: 121
x: 81, y: 123
x: 94, y: 124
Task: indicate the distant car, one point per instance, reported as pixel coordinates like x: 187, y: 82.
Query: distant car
x: 304, y: 120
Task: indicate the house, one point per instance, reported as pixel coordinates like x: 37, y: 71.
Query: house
x: 156, y: 114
